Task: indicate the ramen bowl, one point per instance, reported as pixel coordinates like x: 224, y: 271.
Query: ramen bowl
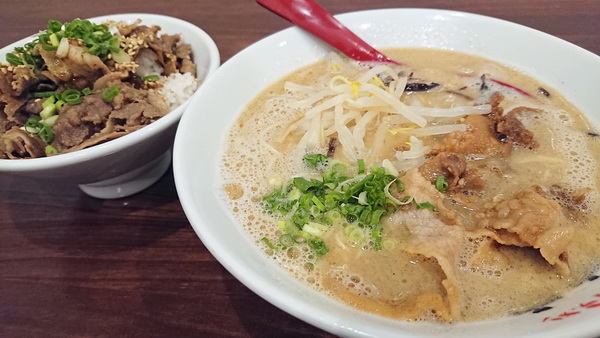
x: 567, y: 68
x: 133, y: 162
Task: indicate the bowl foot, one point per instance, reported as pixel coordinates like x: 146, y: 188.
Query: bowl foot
x: 129, y: 183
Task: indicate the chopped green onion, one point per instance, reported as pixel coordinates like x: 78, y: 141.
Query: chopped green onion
x: 303, y: 184
x: 286, y: 240
x: 46, y: 43
x: 389, y: 167
x: 303, y: 234
x: 96, y: 37
x: 299, y: 239
x: 49, y: 101
x: 441, y: 184
x: 54, y: 26
x: 388, y: 244
x: 376, y: 216
x: 335, y: 216
x: 86, y: 91
x: 109, y: 93
x: 294, y: 194
x: 355, y: 233
x: 399, y: 185
x: 54, y: 40
x: 46, y: 133
x: 268, y: 243
x: 314, y: 228
x: 313, y: 160
x: 314, y: 210
x: 311, y: 206
x: 150, y: 78
x: 35, y: 126
x: 282, y: 224
x: 71, y: 96
x: 50, y: 120
x: 361, y: 166
x: 59, y: 104
x: 14, y: 59
x: 32, y: 125
x: 50, y: 150
x: 43, y: 94
x: 377, y: 235
x: 318, y: 203
x: 362, y: 198
x: 425, y: 205
x: 319, y: 246
x: 48, y: 111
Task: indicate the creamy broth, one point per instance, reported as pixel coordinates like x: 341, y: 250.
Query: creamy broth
x: 484, y: 272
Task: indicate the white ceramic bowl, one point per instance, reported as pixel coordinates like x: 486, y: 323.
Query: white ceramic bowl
x: 132, y: 162
x: 567, y: 68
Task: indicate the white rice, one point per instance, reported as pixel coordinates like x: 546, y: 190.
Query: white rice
x: 147, y: 63
x: 178, y: 88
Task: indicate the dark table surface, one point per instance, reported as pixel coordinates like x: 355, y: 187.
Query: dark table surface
x: 72, y: 265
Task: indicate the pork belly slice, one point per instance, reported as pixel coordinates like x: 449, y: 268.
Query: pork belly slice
x: 433, y: 238
x: 529, y: 219
x: 454, y: 167
x: 422, y: 190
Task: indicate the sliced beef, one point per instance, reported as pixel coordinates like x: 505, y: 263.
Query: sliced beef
x: 165, y: 47
x: 188, y: 66
x: 16, y: 80
x: 5, y: 123
x: 14, y: 83
x: 77, y: 123
x: 95, y: 121
x: 137, y: 113
x: 127, y: 29
x: 138, y: 107
x: 11, y: 105
x: 132, y: 106
x: 108, y: 80
x: 31, y: 107
x: 141, y: 32
x: 184, y: 53
x: 16, y: 143
x: 79, y: 68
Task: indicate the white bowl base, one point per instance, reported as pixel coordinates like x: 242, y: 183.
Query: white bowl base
x: 132, y: 182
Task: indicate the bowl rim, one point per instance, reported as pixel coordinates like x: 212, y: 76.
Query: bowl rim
x: 129, y: 139
x: 247, y: 276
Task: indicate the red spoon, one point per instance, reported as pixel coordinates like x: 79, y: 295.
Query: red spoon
x: 310, y: 16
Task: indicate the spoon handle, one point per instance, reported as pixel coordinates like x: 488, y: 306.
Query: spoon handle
x: 310, y: 16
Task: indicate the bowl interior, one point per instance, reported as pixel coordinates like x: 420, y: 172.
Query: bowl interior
x: 563, y: 66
